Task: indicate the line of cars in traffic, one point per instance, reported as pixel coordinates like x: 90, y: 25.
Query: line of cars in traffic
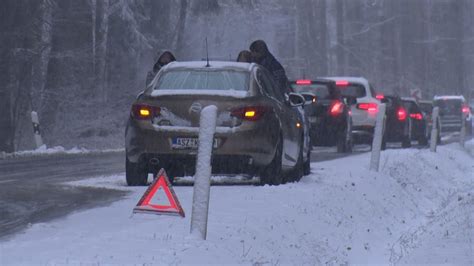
x: 261, y: 130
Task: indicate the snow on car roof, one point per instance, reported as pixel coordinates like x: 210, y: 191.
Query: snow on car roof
x: 212, y: 65
x: 449, y: 97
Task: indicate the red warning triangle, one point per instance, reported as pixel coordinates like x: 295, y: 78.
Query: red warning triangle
x: 161, y: 182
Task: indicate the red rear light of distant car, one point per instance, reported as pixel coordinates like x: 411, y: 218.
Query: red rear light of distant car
x: 250, y: 113
x: 401, y: 114
x: 370, y: 107
x: 342, y: 83
x: 303, y: 82
x: 416, y: 116
x: 380, y: 96
x: 336, y: 108
x: 465, y: 109
x: 144, y: 112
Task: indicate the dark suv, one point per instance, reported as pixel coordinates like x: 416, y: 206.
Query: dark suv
x: 404, y: 122
x: 328, y: 113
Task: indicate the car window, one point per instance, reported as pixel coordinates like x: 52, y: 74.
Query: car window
x: 372, y: 90
x: 203, y: 80
x: 352, y: 90
x: 449, y: 106
x: 322, y: 91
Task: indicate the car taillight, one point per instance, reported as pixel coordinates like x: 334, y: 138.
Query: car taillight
x: 370, y: 107
x: 417, y: 116
x: 465, y: 109
x: 380, y: 96
x: 401, y: 114
x: 250, y: 113
x: 144, y: 112
x: 336, y: 108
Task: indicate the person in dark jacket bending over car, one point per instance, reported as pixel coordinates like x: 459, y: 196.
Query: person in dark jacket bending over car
x: 164, y: 59
x: 244, y: 57
x: 261, y: 55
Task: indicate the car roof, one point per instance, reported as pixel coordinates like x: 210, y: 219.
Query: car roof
x: 449, y: 97
x: 409, y: 99
x: 213, y: 65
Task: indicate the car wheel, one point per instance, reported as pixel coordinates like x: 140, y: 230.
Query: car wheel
x: 307, y: 164
x: 272, y: 173
x: 341, y: 143
x: 135, y: 173
x: 406, y: 142
x: 423, y: 141
x: 298, y: 171
x: 349, y: 143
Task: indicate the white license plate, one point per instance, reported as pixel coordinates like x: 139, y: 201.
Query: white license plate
x: 189, y: 143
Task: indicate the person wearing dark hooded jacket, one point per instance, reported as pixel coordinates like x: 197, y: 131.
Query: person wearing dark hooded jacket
x: 261, y: 55
x: 164, y: 59
x: 244, y: 57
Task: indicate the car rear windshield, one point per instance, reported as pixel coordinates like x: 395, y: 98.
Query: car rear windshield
x: 204, y: 80
x: 322, y: 91
x: 426, y: 107
x: 450, y: 106
x: 352, y: 90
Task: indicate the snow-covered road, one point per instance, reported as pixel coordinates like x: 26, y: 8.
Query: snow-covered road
x: 418, y: 209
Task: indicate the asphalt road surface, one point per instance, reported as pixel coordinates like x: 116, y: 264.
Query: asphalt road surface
x: 31, y: 188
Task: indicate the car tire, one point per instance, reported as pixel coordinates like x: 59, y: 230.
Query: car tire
x: 307, y: 164
x: 341, y: 143
x: 298, y: 171
x: 423, y: 141
x: 272, y: 174
x: 406, y: 142
x: 135, y: 174
x: 468, y: 128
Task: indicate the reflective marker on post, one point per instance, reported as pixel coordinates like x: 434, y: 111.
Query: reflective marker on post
x: 36, y: 129
x: 202, y: 178
x: 377, y: 140
x: 434, y: 129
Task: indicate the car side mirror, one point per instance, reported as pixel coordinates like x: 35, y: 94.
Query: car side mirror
x: 350, y: 100
x: 295, y: 99
x: 309, y: 97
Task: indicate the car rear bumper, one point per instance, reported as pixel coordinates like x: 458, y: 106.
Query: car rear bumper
x: 327, y: 131
x: 249, y: 145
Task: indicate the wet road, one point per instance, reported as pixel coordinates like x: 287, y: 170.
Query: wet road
x: 31, y: 189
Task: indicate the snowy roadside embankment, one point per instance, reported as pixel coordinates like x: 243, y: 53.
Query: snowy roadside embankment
x: 57, y: 150
x: 417, y: 209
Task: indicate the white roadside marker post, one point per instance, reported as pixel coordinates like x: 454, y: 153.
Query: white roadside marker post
x: 202, y: 178
x: 36, y: 129
x: 434, y: 129
x: 462, y: 135
x: 377, y: 140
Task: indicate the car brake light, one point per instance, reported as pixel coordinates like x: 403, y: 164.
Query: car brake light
x: 143, y: 111
x: 342, y: 83
x: 336, y: 108
x: 370, y: 107
x: 401, y: 114
x: 465, y: 109
x: 380, y: 96
x: 303, y: 82
x: 250, y: 113
x: 417, y: 116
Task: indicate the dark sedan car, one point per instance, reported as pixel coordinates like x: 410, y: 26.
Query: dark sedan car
x: 258, y: 132
x: 404, y: 122
x: 328, y: 114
